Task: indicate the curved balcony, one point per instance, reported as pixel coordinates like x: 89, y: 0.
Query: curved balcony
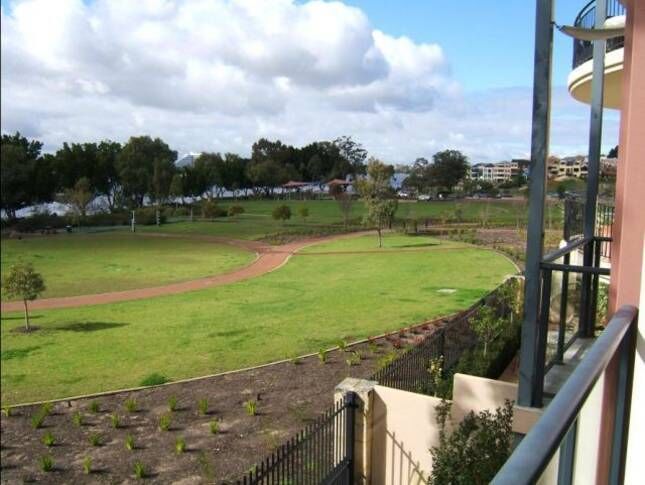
x: 579, y: 81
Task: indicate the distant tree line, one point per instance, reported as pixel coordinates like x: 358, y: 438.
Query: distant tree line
x: 447, y: 169
x: 126, y: 175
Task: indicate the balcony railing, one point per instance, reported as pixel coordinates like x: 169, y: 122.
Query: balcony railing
x: 557, y: 428
x: 583, y: 49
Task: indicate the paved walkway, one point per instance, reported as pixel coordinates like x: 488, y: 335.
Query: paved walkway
x: 268, y: 259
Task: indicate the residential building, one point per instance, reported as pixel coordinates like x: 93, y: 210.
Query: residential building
x: 495, y: 172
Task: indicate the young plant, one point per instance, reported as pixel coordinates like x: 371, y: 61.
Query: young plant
x: 214, y: 426
x: 94, y: 407
x: 342, y: 345
x: 354, y: 359
x: 164, y: 421
x: 373, y: 347
x: 322, y: 356
x: 202, y: 406
x: 172, y: 404
x: 139, y: 470
x: 180, y: 445
x: 87, y: 465
x: 46, y: 463
x: 95, y: 439
x: 487, y: 326
x: 130, y: 405
x: 77, y: 419
x: 251, y: 407
x: 115, y: 420
x: 7, y: 411
x: 47, y: 408
x: 129, y: 442
x: 48, y: 439
x: 37, y: 420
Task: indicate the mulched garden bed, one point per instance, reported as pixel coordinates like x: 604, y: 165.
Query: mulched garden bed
x: 288, y: 395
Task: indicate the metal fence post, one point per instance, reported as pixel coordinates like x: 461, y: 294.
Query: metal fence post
x: 623, y: 404
x: 529, y: 373
x: 350, y: 403
x: 567, y: 456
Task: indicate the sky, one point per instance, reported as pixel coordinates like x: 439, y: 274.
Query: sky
x: 404, y: 78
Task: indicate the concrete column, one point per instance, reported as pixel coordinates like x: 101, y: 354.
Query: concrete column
x: 363, y: 430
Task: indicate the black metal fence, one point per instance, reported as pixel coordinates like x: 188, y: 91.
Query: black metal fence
x: 409, y: 372
x: 583, y: 49
x: 573, y: 223
x: 321, y: 453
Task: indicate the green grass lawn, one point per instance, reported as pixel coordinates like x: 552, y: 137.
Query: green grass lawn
x: 257, y: 223
x: 391, y: 242
x: 307, y: 304
x: 76, y: 264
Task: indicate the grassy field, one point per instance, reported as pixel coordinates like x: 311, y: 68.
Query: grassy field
x: 75, y: 264
x: 391, y: 242
x: 257, y: 223
x: 309, y: 303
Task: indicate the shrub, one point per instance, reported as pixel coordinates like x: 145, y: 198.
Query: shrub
x: 87, y: 465
x: 77, y: 419
x: 487, y: 326
x: 147, y: 216
x: 322, y: 356
x: 129, y: 442
x: 48, y: 439
x: 210, y: 210
x: 251, y: 407
x: 164, y: 421
x: 476, y: 448
x: 214, y: 426
x: 172, y: 404
x: 130, y: 405
x: 281, y: 213
x: 115, y: 420
x: 153, y: 379
x: 387, y: 359
x: 94, y: 406
x: 139, y: 470
x: 235, y: 210
x: 95, y: 439
x: 303, y: 212
x: 37, y: 420
x: 180, y: 445
x: 46, y: 463
x: 202, y: 406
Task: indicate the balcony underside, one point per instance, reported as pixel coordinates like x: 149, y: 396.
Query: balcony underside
x: 579, y: 81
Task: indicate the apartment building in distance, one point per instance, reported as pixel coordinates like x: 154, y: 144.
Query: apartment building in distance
x: 497, y: 172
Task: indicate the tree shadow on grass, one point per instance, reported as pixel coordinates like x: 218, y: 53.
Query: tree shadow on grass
x: 18, y: 353
x: 88, y: 326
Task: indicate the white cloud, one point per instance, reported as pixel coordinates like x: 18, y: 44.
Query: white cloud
x: 217, y: 74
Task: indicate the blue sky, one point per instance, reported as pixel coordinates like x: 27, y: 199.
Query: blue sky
x: 489, y: 43
x: 405, y: 78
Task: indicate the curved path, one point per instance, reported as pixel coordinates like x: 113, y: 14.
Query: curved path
x: 268, y: 259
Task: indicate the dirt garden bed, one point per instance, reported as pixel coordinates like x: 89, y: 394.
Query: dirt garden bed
x: 288, y: 395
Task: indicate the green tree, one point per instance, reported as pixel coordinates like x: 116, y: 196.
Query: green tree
x: 354, y: 153
x: 19, y: 159
x: 281, y: 213
x: 176, y: 190
x: 146, y: 167
x: 487, y: 326
x: 79, y: 197
x: 418, y: 179
x: 378, y: 196
x: 448, y: 168
x: 24, y: 283
x: 303, y: 212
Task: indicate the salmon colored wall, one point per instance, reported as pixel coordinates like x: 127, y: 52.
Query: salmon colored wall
x: 629, y: 227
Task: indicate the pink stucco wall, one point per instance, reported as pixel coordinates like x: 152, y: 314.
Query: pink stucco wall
x: 629, y: 228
